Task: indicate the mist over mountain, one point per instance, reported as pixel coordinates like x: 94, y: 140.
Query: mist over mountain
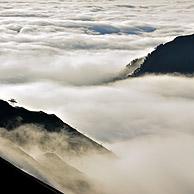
x: 32, y: 141
x: 14, y: 117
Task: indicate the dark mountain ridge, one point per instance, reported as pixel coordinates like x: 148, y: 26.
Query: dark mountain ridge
x: 175, y: 57
x: 13, y: 117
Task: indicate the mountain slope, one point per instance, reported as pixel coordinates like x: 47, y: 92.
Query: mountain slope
x: 13, y: 117
x: 46, y: 167
x: 66, y: 176
x: 14, y: 180
x: 176, y: 56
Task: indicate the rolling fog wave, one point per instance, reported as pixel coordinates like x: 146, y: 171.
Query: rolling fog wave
x: 151, y: 133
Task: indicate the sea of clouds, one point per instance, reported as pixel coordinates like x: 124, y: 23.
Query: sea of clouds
x: 61, y: 57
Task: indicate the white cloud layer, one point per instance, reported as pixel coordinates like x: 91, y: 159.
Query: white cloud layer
x: 58, y: 26
x: 117, y: 111
x: 57, y: 56
x: 74, y: 39
x: 52, y: 48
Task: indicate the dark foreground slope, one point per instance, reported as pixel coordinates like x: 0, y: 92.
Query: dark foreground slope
x: 14, y: 180
x: 176, y: 56
x: 13, y: 117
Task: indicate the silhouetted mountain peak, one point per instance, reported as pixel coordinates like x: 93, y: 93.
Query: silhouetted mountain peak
x: 9, y: 115
x: 176, y: 56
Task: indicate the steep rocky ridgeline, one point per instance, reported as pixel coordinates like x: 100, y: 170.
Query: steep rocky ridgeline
x: 13, y: 117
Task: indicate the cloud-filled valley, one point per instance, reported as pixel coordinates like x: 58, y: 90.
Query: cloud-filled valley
x: 62, y: 57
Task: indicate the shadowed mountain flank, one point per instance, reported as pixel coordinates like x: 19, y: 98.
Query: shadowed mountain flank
x: 14, y: 180
x: 46, y: 167
x: 176, y: 57
x: 65, y: 175
x: 14, y: 117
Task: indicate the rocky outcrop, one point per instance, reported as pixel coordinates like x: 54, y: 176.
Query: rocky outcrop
x: 175, y: 57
